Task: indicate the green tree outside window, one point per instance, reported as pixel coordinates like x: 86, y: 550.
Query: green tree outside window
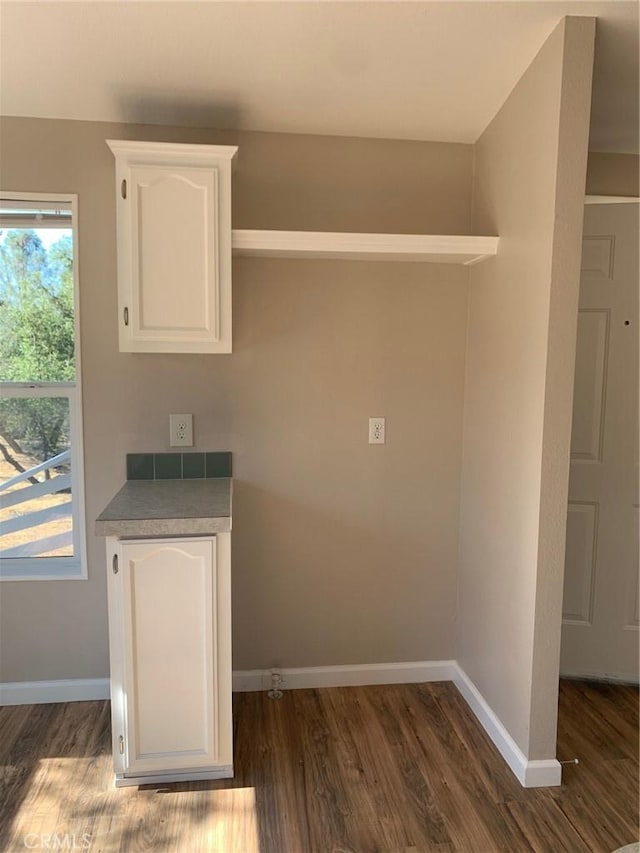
x: 36, y: 341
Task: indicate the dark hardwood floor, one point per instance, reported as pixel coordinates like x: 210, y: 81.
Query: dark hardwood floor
x: 391, y: 768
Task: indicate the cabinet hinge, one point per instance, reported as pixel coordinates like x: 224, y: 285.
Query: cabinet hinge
x: 121, y: 744
x: 123, y: 188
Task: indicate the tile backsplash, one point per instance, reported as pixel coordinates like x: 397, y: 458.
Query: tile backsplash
x: 178, y: 466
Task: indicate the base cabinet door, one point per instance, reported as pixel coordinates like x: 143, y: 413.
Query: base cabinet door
x: 174, y: 668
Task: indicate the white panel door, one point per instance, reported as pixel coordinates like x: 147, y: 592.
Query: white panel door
x: 600, y: 606
x: 170, y: 655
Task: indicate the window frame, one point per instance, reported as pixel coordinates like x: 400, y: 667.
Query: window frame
x: 56, y: 568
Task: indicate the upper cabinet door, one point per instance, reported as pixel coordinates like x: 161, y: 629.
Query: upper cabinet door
x: 174, y: 246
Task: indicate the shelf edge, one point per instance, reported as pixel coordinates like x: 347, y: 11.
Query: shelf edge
x: 325, y: 244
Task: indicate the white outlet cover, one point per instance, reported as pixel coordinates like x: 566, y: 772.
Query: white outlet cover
x: 181, y: 430
x: 376, y: 430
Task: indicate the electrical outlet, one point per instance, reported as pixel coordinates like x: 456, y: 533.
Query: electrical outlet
x: 181, y: 430
x: 376, y: 430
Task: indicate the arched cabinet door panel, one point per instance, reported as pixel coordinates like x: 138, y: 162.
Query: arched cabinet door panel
x: 171, y: 677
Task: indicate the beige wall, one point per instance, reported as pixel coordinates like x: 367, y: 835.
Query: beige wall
x: 613, y: 174
x: 528, y: 188
x: 342, y: 552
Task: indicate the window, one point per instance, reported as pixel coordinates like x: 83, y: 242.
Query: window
x: 42, y: 530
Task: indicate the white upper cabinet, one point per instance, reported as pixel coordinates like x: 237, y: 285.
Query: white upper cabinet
x: 173, y: 206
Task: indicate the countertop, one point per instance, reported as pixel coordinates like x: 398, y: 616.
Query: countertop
x: 168, y: 508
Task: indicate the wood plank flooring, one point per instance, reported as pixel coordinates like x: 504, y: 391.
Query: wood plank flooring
x: 366, y: 769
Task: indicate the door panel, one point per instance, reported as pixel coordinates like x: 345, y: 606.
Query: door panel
x: 579, y: 573
x: 171, y: 655
x: 175, y: 293
x: 598, y: 255
x: 600, y: 618
x: 589, y: 392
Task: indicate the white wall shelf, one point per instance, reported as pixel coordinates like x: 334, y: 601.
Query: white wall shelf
x: 427, y: 248
x: 611, y: 199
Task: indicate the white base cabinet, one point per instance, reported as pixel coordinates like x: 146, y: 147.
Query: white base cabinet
x: 170, y: 646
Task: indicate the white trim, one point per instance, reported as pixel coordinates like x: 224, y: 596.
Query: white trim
x: 412, y: 672
x: 62, y: 690
x: 124, y: 780
x: 374, y: 247
x: 169, y: 152
x: 530, y: 774
x: 611, y: 199
x: 607, y: 677
x: 542, y: 773
x: 77, y: 427
x: 48, y: 198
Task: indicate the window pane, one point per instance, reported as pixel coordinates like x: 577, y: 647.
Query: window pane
x: 36, y: 305
x: 35, y: 497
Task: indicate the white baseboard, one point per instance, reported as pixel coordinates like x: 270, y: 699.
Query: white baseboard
x: 609, y: 678
x: 357, y: 675
x: 530, y: 774
x: 62, y: 690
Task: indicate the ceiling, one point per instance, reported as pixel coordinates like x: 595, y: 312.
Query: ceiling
x: 404, y: 70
